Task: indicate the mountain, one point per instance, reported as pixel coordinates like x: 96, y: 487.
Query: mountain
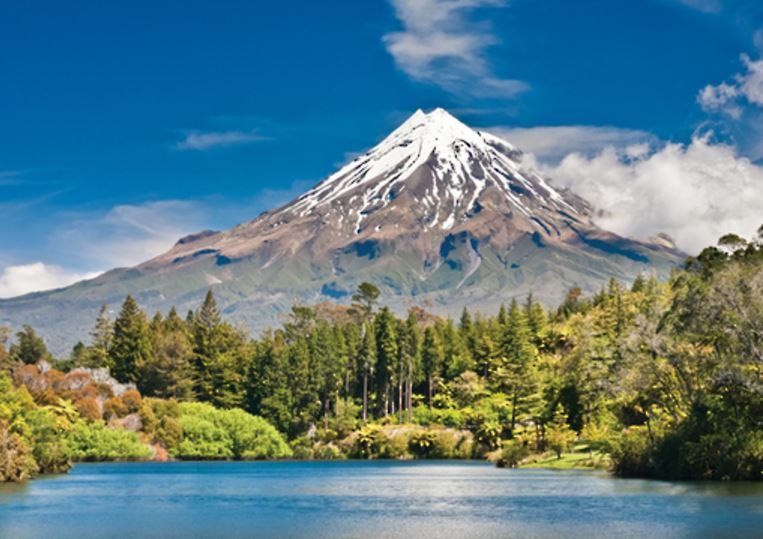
x: 437, y: 214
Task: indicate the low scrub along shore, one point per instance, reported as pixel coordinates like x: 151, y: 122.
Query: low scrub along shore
x: 648, y: 379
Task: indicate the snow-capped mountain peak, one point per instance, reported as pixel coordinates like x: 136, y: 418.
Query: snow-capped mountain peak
x: 449, y: 166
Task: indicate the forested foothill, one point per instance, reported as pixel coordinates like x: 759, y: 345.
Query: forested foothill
x: 649, y: 379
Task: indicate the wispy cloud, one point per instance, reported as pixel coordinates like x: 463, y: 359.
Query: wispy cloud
x: 746, y: 89
x: 19, y: 280
x: 200, y: 141
x: 441, y: 44
x: 128, y: 234
x: 552, y: 143
x: 735, y: 107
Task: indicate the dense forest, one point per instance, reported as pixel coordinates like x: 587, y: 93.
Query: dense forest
x: 651, y: 379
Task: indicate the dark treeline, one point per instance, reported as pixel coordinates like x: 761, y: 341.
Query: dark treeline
x: 665, y: 377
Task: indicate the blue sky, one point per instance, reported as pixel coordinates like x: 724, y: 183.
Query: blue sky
x: 124, y: 125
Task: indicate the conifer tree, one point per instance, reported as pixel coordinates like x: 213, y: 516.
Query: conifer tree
x: 364, y: 300
x: 169, y: 373
x: 386, y: 358
x: 408, y: 362
x: 97, y: 354
x: 131, y: 346
x: 514, y: 373
x: 220, y: 369
x: 537, y: 322
x: 432, y: 358
x: 29, y: 347
x: 5, y: 357
x: 367, y: 361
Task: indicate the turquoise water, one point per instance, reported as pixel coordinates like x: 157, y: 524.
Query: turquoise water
x: 368, y: 499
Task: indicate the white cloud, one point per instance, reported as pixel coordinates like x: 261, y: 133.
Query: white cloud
x: 127, y: 234
x: 729, y: 98
x: 197, y: 140
x: 441, y: 45
x: 751, y: 83
x: 720, y: 98
x: 695, y: 192
x: 18, y: 280
x: 552, y: 143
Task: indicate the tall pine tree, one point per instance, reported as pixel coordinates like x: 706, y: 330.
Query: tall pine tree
x: 131, y: 347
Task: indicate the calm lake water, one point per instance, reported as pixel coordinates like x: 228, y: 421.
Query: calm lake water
x: 368, y: 499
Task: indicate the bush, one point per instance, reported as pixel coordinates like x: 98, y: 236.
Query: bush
x: 632, y: 453
x: 328, y: 451
x: 88, y: 408
x: 96, y: 442
x: 16, y: 460
x: 132, y: 400
x: 511, y: 454
x: 392, y: 444
x: 209, y: 433
x: 202, y: 439
x: 441, y: 444
x: 50, y: 449
x: 31, y: 435
x: 448, y: 417
x: 559, y: 437
x: 114, y: 407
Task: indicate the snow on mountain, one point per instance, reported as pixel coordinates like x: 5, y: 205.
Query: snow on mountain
x: 462, y: 161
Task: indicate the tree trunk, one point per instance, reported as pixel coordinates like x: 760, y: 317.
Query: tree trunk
x: 326, y: 415
x: 386, y: 398
x: 410, y: 398
x: 400, y: 400
x: 513, y: 411
x: 365, y: 396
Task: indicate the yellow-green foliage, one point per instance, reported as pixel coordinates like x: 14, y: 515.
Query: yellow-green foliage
x: 97, y: 442
x: 210, y: 433
x: 31, y: 436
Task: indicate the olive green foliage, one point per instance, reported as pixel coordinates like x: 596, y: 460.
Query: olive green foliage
x: 209, y: 433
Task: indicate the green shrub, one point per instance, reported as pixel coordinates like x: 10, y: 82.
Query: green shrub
x: 451, y: 444
x: 447, y: 417
x: 31, y: 436
x: 97, y: 442
x: 202, y: 439
x: 511, y: 454
x: 210, y: 433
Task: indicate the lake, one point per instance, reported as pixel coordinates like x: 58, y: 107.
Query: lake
x: 368, y: 499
